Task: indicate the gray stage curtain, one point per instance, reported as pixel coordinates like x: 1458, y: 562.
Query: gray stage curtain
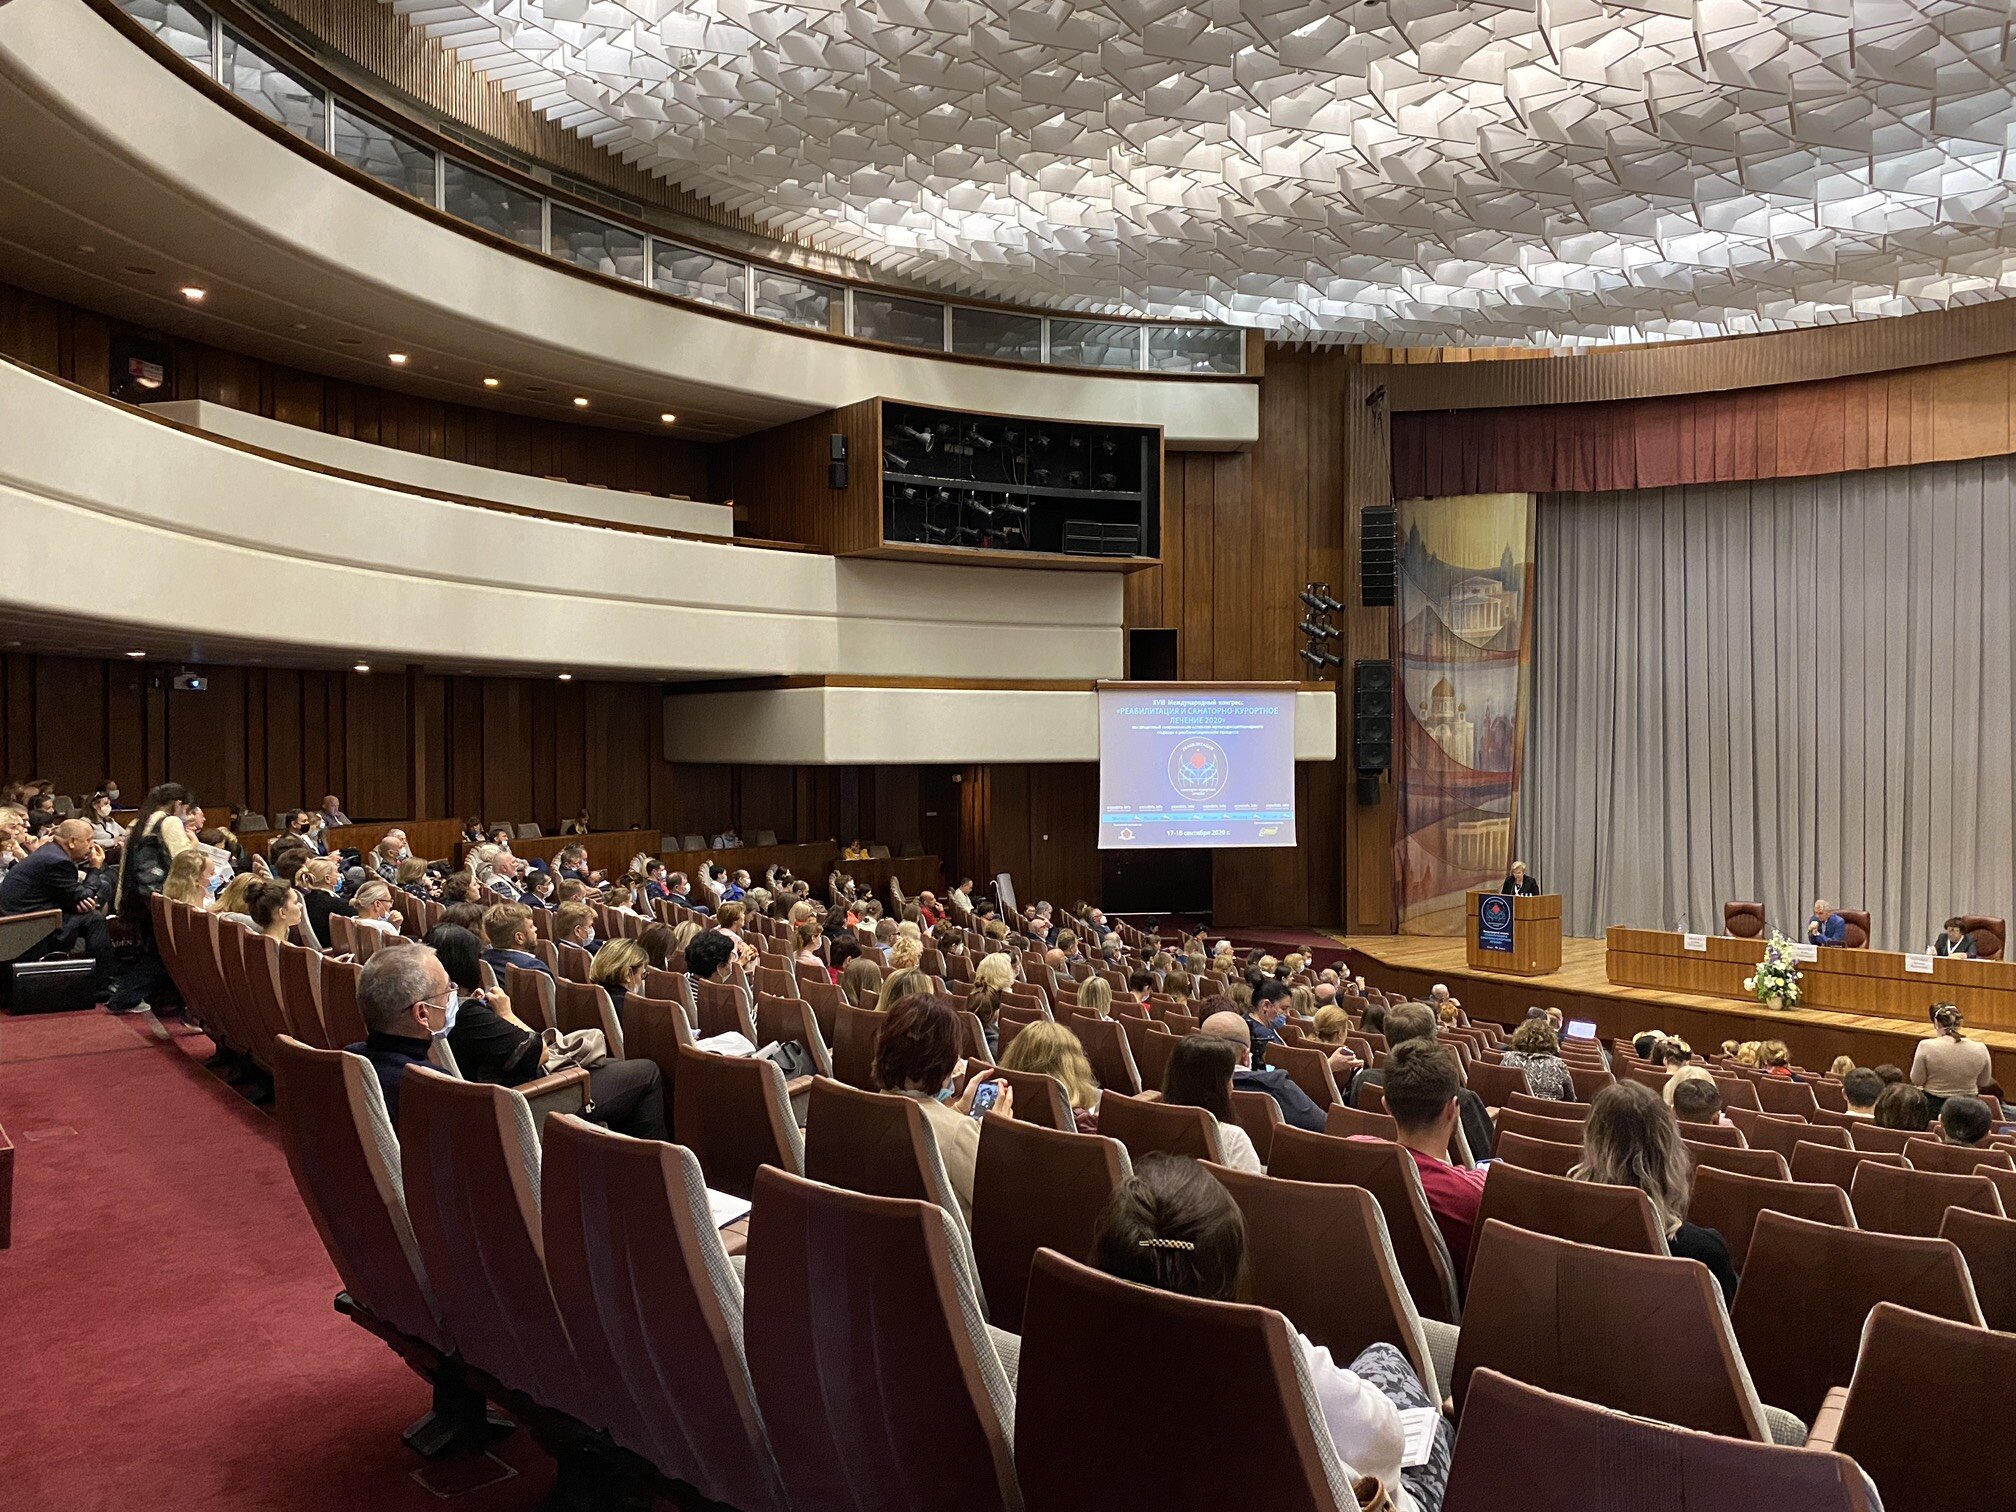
x: 1777, y: 690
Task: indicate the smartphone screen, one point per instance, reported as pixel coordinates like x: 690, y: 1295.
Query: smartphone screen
x: 984, y: 1099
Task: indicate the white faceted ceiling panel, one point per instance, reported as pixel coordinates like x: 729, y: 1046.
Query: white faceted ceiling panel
x: 1559, y: 172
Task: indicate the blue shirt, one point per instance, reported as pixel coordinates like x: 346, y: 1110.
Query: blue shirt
x: 499, y: 959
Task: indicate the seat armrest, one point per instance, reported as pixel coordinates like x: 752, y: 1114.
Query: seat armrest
x: 562, y: 1092
x: 21, y: 933
x: 1827, y: 1421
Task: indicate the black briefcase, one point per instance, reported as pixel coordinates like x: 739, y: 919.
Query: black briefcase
x: 56, y: 986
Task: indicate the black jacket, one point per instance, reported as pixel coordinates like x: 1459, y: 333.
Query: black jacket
x: 44, y: 878
x: 1297, y: 1107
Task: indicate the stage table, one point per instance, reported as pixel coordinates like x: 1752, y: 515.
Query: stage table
x: 1873, y: 982
x: 1536, y: 934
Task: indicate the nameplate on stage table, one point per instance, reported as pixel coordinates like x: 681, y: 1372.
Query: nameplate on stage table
x: 1922, y: 964
x: 1805, y: 952
x: 1694, y: 942
x: 1494, y: 923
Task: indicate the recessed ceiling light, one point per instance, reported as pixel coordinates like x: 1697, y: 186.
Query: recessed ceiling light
x: 669, y: 418
x: 492, y: 382
x: 580, y: 401
x: 137, y: 655
x: 193, y: 294
x: 361, y: 667
x: 566, y: 677
x: 397, y: 359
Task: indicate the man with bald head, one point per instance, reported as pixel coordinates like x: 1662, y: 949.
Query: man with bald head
x: 52, y: 876
x: 1295, y: 1104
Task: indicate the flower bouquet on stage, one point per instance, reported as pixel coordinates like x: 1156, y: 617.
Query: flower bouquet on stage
x: 1776, y: 983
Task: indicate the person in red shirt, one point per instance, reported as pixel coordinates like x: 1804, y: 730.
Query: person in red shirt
x: 1420, y: 1086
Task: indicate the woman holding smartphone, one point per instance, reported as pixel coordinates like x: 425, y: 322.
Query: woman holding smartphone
x: 917, y: 1056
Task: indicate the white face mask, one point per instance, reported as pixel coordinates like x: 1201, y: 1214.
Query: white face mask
x: 448, y: 1012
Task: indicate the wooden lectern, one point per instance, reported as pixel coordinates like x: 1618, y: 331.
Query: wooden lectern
x: 1534, y: 927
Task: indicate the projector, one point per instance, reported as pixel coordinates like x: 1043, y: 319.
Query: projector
x: 191, y: 682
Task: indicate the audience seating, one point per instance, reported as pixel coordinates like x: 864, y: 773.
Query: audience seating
x: 1259, y: 1116
x: 2004, y: 1183
x: 1808, y: 1287
x: 1532, y: 1125
x: 1496, y: 1084
x: 876, y: 1377
x: 654, y: 1309
x: 585, y: 1005
x: 1539, y: 1154
x: 1346, y: 1121
x: 1614, y: 1217
x: 1308, y: 1066
x: 1726, y: 1135
x: 1867, y: 1136
x: 1145, y: 1126
x: 1151, y: 1053
x: 1891, y: 1200
x: 1941, y: 1456
x: 1546, y: 1107
x: 1931, y: 1154
x: 1573, y: 1317
x: 1388, y: 1172
x: 1096, y: 1426
x: 855, y: 1030
x: 342, y: 1019
x: 734, y: 1113
x: 1775, y: 1095
x: 1105, y: 1045
x: 791, y: 1019
x: 1305, y: 1237
x: 1989, y: 1243
x: 1587, y: 1081
x: 873, y: 1142
x: 1035, y: 1187
x: 1737, y: 1092
x: 1817, y: 1162
x: 1562, y: 1455
x: 1730, y: 1202
x: 721, y: 1008
x: 1786, y: 1135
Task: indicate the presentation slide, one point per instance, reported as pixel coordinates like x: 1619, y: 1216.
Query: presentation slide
x: 1209, y: 767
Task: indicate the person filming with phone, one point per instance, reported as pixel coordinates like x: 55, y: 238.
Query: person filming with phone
x: 917, y: 1056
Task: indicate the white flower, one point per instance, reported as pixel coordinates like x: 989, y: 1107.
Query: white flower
x: 1749, y: 984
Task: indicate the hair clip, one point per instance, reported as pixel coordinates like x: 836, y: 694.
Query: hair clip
x: 1168, y: 1244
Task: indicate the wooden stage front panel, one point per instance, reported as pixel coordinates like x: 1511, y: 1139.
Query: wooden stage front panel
x: 1848, y: 981
x: 1582, y: 989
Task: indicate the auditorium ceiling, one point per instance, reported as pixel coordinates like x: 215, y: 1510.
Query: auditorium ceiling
x: 1554, y: 172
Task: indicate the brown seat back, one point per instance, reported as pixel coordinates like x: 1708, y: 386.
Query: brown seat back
x: 1497, y: 1084
x: 1151, y: 1053
x: 584, y: 1005
x: 1776, y: 1095
x: 1816, y: 1162
x: 1856, y: 936
x: 854, y: 1035
x: 778, y: 981
x: 1105, y: 1045
x: 825, y: 998
x: 1568, y: 1456
x: 1075, y: 1175
x: 1808, y: 1287
x: 1529, y: 1314
x: 651, y: 1303
x: 1345, y: 1122
x: 792, y: 1018
x: 1039, y: 1099
x: 1615, y: 1217
x: 1259, y: 1116
x: 1727, y: 1135
x: 673, y: 985
x: 1388, y: 1172
x: 1308, y: 1067
x: 873, y: 1142
x: 1730, y: 1203
x: 1532, y: 1125
x: 1786, y: 1134
x: 1145, y: 1126
x: 1743, y: 920
x: 533, y: 994
x: 301, y: 993
x: 471, y: 1166
x: 1526, y: 1102
x: 344, y: 1154
x: 720, y: 1008
x: 1990, y: 934
x: 1883, y: 1426
x: 875, y: 1375
x: 734, y: 1113
x: 1237, y: 1363
x: 1891, y: 1200
x: 250, y: 968
x: 1989, y: 1243
x: 1868, y: 1136
x: 1931, y: 1154
x: 1766, y: 1163
x: 1539, y: 1154
x: 1301, y: 1236
x: 653, y: 1030
x: 341, y: 1016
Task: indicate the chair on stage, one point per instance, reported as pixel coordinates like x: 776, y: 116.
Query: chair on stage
x: 1744, y: 921
x: 1990, y: 935
x: 1857, y: 935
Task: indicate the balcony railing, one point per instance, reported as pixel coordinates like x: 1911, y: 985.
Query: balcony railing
x: 569, y: 232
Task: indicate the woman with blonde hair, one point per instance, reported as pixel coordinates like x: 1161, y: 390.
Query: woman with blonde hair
x: 189, y: 878
x: 1302, y: 1002
x: 317, y: 884
x: 1332, y: 1024
x: 1095, y: 995
x: 1843, y: 1064
x: 374, y: 908
x: 1050, y: 1049
x: 992, y: 977
x: 1948, y: 1064
x: 899, y: 985
x: 237, y: 892
x: 1631, y: 1139
x: 618, y: 969
x: 805, y: 938
x: 685, y: 933
x: 905, y: 952
x: 1746, y: 1053
x: 1774, y: 1057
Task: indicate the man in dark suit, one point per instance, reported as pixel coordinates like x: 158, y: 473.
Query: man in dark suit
x: 50, y: 876
x: 679, y: 888
x: 511, y: 933
x: 1517, y: 883
x: 1953, y: 941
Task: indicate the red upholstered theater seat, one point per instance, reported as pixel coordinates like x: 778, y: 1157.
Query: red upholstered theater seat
x: 1857, y: 935
x: 1745, y: 921
x: 1990, y: 935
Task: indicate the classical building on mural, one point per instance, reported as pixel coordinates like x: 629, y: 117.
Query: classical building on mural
x: 1448, y: 724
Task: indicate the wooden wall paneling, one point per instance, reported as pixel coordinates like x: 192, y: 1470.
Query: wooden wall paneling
x: 897, y: 819
x: 623, y: 738
x: 465, y: 748
x: 699, y: 798
x: 254, y: 734
x: 204, y: 748
x: 427, y: 765
x: 125, y: 727
x: 377, y: 748
x: 1196, y: 648
x: 283, y: 742
x: 778, y: 477
x: 768, y: 800
x: 88, y: 356
x: 31, y: 329
x: 507, y: 738
x: 938, y: 814
x: 69, y: 707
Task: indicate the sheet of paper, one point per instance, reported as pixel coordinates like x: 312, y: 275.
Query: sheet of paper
x: 1805, y: 952
x: 730, y: 1043
x: 727, y: 1209
x: 1419, y: 1423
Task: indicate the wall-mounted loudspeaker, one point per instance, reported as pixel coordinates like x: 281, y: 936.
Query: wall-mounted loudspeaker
x: 1371, y: 725
x: 1378, y: 554
x: 836, y: 461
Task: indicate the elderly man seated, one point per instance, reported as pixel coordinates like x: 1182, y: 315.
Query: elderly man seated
x: 1295, y: 1104
x: 52, y: 876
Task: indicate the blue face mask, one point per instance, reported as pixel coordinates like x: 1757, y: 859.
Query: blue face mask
x: 945, y: 1094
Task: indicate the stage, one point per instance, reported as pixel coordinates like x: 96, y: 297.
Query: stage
x: 1580, y: 989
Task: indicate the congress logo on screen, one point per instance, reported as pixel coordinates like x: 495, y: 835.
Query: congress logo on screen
x: 1197, y: 769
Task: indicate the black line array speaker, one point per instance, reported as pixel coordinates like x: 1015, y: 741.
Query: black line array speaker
x: 1371, y: 725
x: 1378, y: 554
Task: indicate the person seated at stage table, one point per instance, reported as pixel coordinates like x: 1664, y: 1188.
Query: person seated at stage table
x: 1826, y: 927
x: 1518, y: 883
x: 1953, y: 941
x: 1965, y: 1121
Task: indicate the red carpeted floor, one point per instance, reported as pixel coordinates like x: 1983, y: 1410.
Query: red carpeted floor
x: 165, y: 1314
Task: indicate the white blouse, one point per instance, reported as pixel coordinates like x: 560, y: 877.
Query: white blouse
x: 1364, y: 1424
x: 1238, y: 1149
